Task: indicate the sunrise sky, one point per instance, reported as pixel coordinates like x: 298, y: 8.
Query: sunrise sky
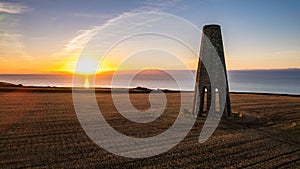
x: 46, y: 36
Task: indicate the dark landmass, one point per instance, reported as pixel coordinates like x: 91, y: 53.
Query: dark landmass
x: 7, y: 87
x: 5, y: 84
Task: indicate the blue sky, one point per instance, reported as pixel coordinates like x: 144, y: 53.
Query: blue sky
x: 258, y: 34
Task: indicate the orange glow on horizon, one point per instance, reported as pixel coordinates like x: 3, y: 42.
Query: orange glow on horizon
x: 84, y: 66
x: 67, y: 65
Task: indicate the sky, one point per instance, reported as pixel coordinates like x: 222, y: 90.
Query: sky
x: 47, y: 36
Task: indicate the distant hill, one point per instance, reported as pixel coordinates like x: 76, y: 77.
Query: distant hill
x: 5, y: 84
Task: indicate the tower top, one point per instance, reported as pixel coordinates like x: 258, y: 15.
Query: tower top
x: 211, y: 26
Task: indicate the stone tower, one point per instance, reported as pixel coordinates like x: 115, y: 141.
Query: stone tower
x: 211, y: 36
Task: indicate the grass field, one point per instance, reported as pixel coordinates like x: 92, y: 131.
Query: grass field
x: 40, y: 129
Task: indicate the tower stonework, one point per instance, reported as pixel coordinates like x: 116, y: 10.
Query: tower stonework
x: 211, y: 36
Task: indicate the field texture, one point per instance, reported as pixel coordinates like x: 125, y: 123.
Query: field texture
x: 41, y: 130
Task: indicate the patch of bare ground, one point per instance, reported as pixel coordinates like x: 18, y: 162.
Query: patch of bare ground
x: 40, y: 130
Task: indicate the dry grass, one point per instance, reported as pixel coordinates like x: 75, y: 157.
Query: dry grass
x: 40, y: 129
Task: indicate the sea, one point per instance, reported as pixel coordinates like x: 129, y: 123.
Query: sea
x: 285, y: 81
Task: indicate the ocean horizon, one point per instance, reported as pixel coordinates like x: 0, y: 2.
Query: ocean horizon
x: 285, y: 81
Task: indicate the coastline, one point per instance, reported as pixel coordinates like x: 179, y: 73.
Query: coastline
x: 43, y: 89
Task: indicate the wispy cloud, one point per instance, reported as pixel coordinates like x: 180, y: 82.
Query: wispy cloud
x: 12, y: 46
x: 159, y: 5
x: 92, y: 16
x: 11, y: 40
x: 13, y: 8
x: 77, y: 43
x: 293, y: 52
x: 80, y: 40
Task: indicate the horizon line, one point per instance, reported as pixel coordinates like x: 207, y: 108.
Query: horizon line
x: 104, y: 72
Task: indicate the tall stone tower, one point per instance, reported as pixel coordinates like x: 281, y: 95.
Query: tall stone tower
x: 211, y: 37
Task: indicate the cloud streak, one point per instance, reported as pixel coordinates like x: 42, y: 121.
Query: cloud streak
x: 81, y: 39
x: 158, y: 5
x: 11, y: 45
x: 13, y: 8
x: 77, y: 43
x: 11, y: 40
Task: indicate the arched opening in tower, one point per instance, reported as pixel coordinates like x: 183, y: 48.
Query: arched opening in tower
x: 217, y: 100
x: 205, y: 100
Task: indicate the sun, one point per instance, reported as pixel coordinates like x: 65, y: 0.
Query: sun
x: 86, y: 66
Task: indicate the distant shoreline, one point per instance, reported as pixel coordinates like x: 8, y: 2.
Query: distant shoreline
x: 48, y: 89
